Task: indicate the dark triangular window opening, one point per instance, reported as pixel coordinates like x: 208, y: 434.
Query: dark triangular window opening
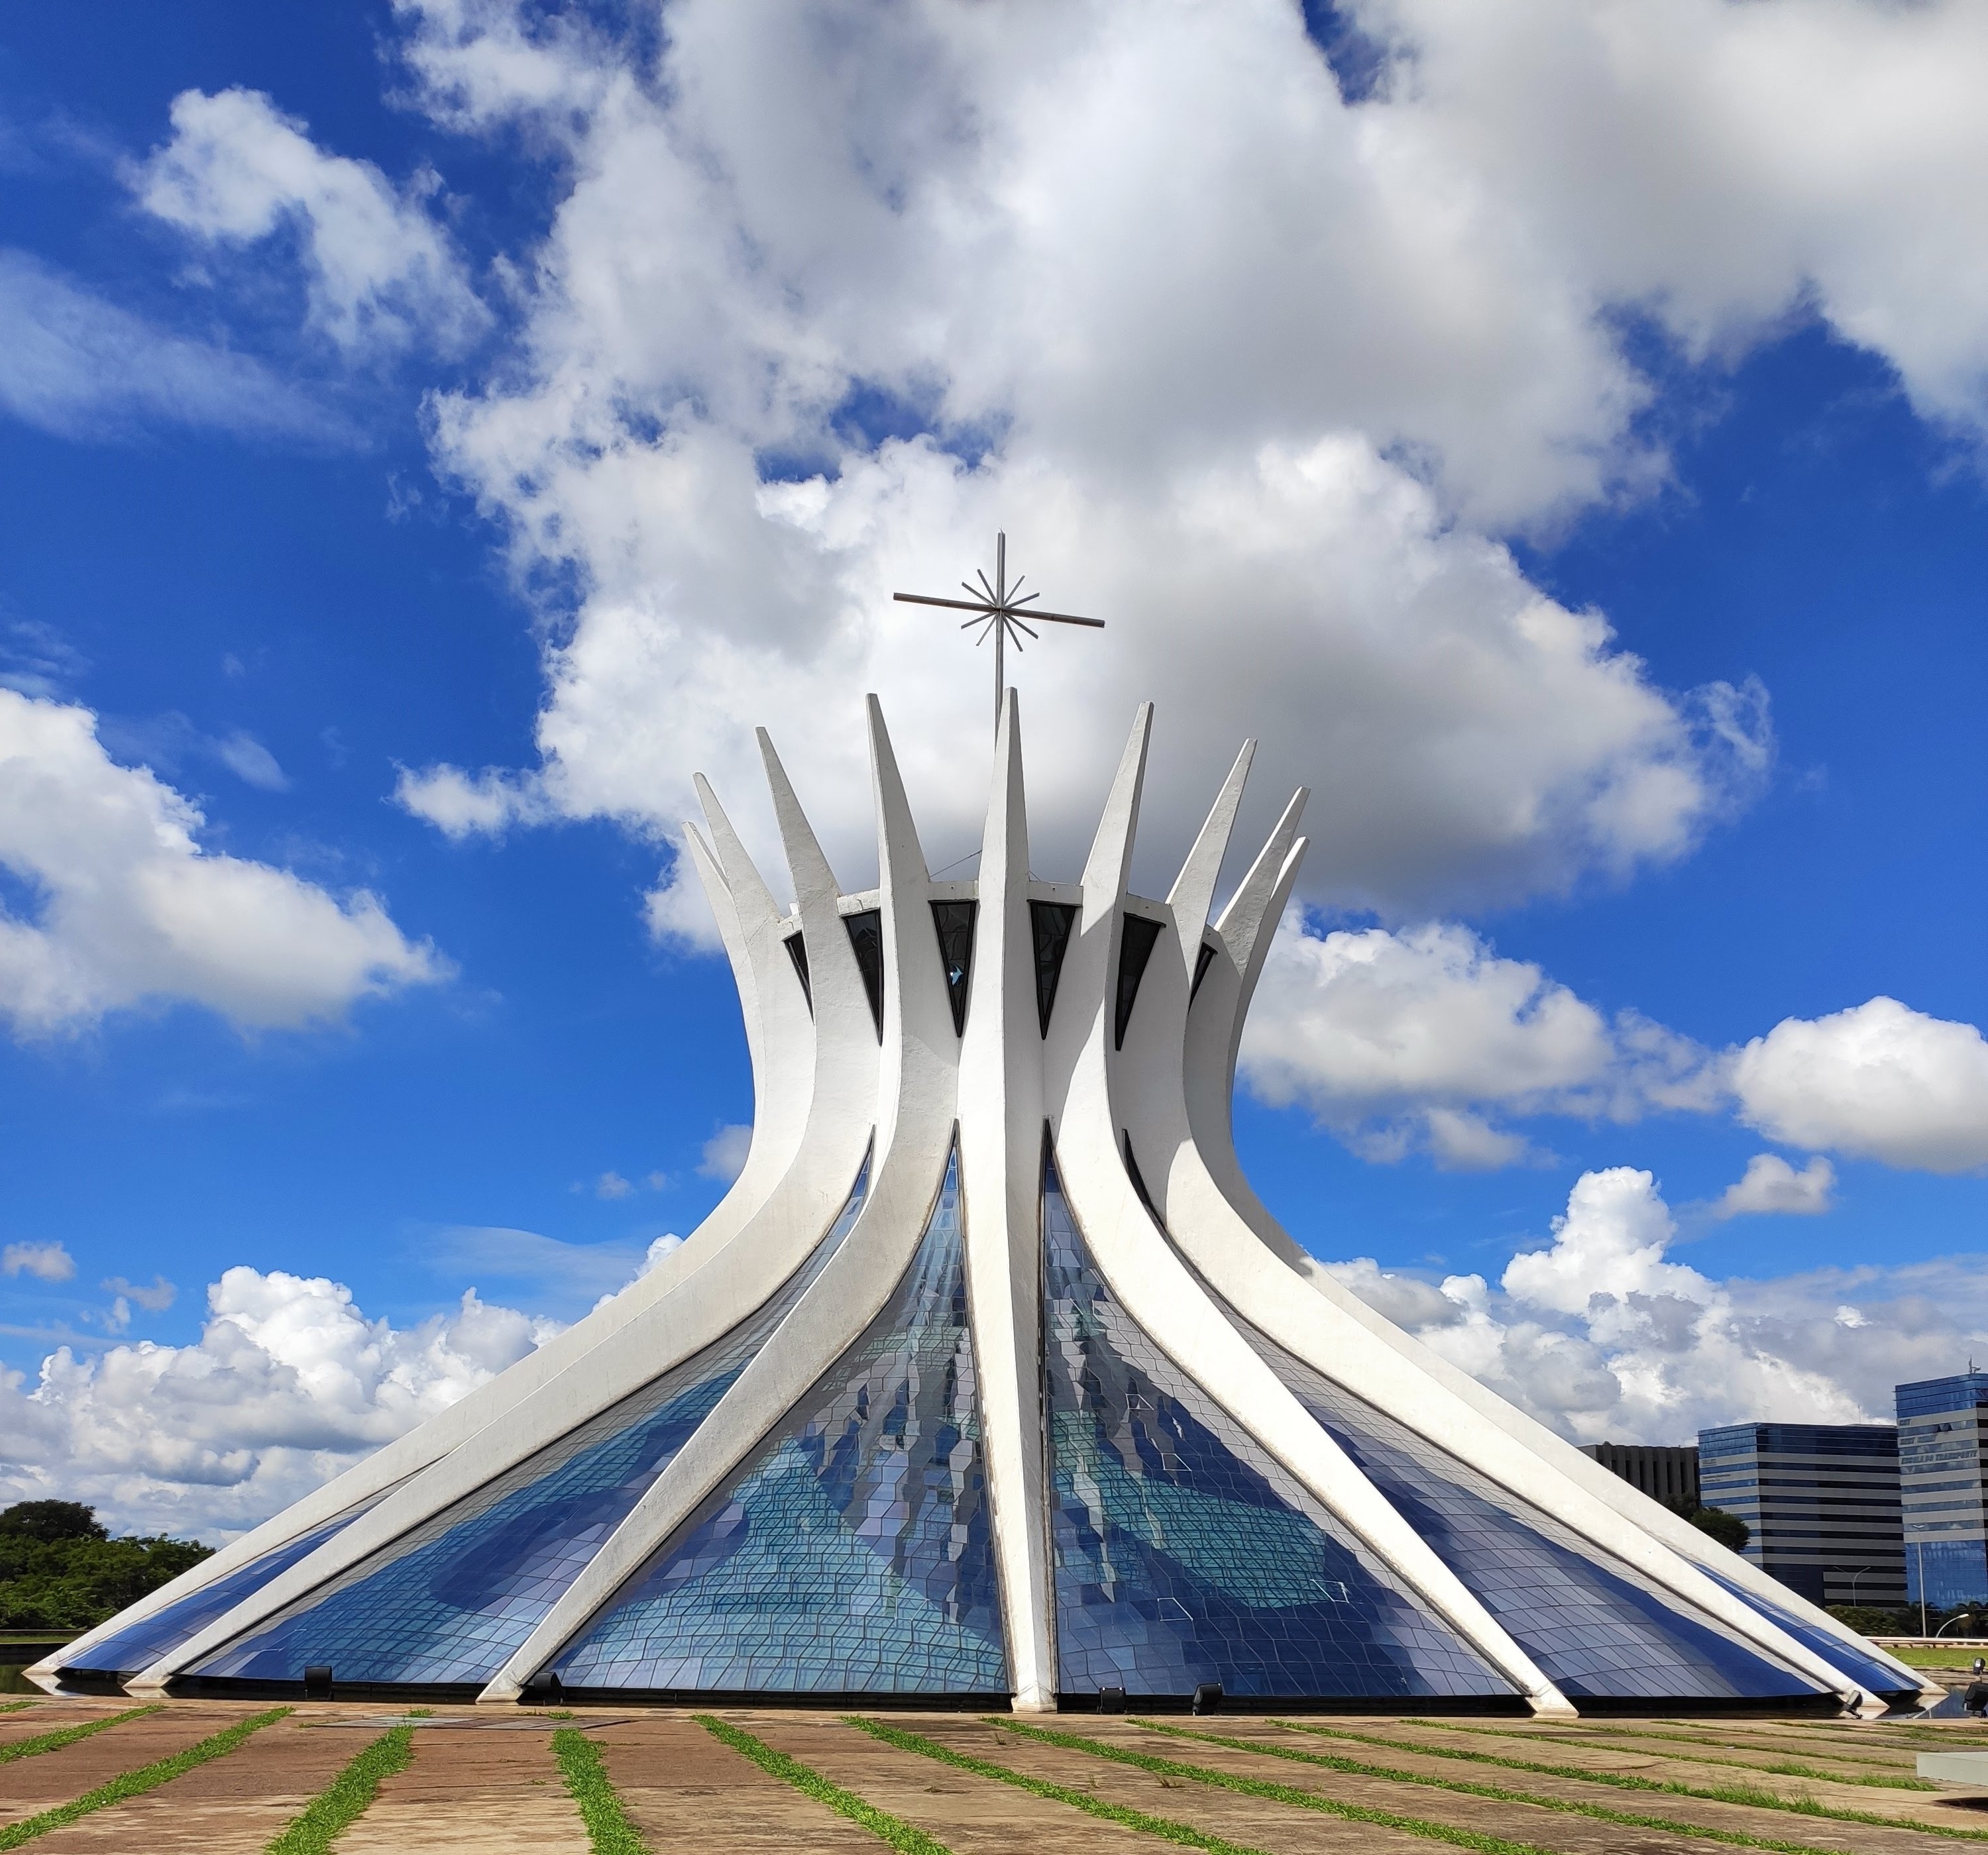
x: 1202, y: 960
x: 796, y: 947
x: 1139, y: 1182
x: 954, y: 921
x: 1134, y: 950
x: 1053, y: 923
x: 866, y: 937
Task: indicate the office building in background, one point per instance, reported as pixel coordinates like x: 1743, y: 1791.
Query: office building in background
x: 1669, y: 1473
x: 1822, y: 1500
x: 1940, y: 1430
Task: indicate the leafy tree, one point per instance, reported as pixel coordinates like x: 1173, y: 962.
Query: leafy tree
x: 51, y: 1520
x: 60, y: 1569
x: 1729, y: 1529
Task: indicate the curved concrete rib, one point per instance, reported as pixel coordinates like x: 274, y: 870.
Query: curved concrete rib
x: 745, y: 1252
x: 917, y: 1091
x: 1155, y: 1289
x: 407, y: 1456
x: 1193, y: 893
x: 1000, y: 1134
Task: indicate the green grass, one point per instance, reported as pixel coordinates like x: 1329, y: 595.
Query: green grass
x: 67, y: 1735
x: 1183, y: 1832
x: 1499, y: 1793
x: 340, y: 1805
x: 608, y: 1830
x: 136, y: 1783
x: 1896, y: 1781
x: 1750, y: 1795
x: 894, y: 1830
x: 13, y: 1706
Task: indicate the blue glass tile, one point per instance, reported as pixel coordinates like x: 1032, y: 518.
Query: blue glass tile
x: 852, y: 1553
x: 1595, y: 1626
x: 1184, y: 1553
x: 134, y: 1648
x: 1878, y: 1678
x: 453, y: 1599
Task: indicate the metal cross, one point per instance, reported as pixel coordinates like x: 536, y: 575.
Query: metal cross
x: 999, y: 609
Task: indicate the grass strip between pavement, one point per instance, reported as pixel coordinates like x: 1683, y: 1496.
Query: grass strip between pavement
x: 15, y: 1706
x: 136, y: 1783
x: 335, y: 1808
x: 1185, y: 1834
x: 1750, y: 1796
x: 1499, y: 1793
x: 1897, y: 1780
x: 609, y: 1832
x: 900, y: 1835
x: 67, y: 1735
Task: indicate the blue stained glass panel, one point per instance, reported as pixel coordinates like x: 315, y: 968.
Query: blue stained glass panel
x: 134, y: 1648
x: 1185, y: 1553
x: 456, y: 1598
x: 1596, y: 1626
x: 1876, y: 1675
x: 853, y: 1553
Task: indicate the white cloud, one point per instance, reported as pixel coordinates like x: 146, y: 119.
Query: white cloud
x: 154, y: 1298
x: 1879, y: 1081
x: 611, y: 1185
x: 724, y: 1155
x: 1600, y: 1335
x: 46, y: 1262
x: 381, y: 272
x: 129, y: 908
x: 72, y: 364
x: 251, y: 763
x: 1398, y: 1040
x: 289, y: 1383
x: 758, y: 242
x: 1769, y: 1183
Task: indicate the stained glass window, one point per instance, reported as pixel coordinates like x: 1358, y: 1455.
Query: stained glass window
x: 452, y: 1601
x: 1052, y: 923
x: 1876, y: 1675
x: 1185, y: 1553
x: 135, y: 1648
x: 1595, y: 1626
x: 852, y: 1553
x: 866, y: 939
x: 953, y: 922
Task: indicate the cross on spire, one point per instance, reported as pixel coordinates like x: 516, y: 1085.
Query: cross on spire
x: 999, y: 609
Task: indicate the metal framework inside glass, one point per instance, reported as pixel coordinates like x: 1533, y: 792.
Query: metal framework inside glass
x: 852, y: 1553
x: 1597, y: 1627
x: 452, y: 1601
x: 1184, y: 1553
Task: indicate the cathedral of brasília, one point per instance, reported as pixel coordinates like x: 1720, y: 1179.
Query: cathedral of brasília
x: 990, y: 1383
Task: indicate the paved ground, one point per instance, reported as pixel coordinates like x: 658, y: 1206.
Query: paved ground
x: 484, y: 1784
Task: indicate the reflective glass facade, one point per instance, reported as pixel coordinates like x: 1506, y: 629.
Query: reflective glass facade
x: 134, y: 1649
x: 1943, y: 1466
x: 1596, y: 1627
x: 1184, y: 1552
x: 452, y: 1601
x: 1860, y: 1667
x: 853, y: 1554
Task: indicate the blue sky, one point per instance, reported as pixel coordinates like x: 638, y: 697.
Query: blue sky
x: 430, y: 432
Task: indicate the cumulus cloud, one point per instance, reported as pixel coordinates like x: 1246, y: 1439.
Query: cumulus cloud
x: 46, y: 1262
x: 1425, y: 1039
x: 155, y: 1297
x: 1879, y: 1081
x: 1408, y: 1039
x: 1601, y: 1335
x: 72, y: 364
x: 127, y: 907
x: 768, y: 262
x: 289, y: 1383
x: 1769, y: 1183
x: 724, y: 1155
x: 381, y: 272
